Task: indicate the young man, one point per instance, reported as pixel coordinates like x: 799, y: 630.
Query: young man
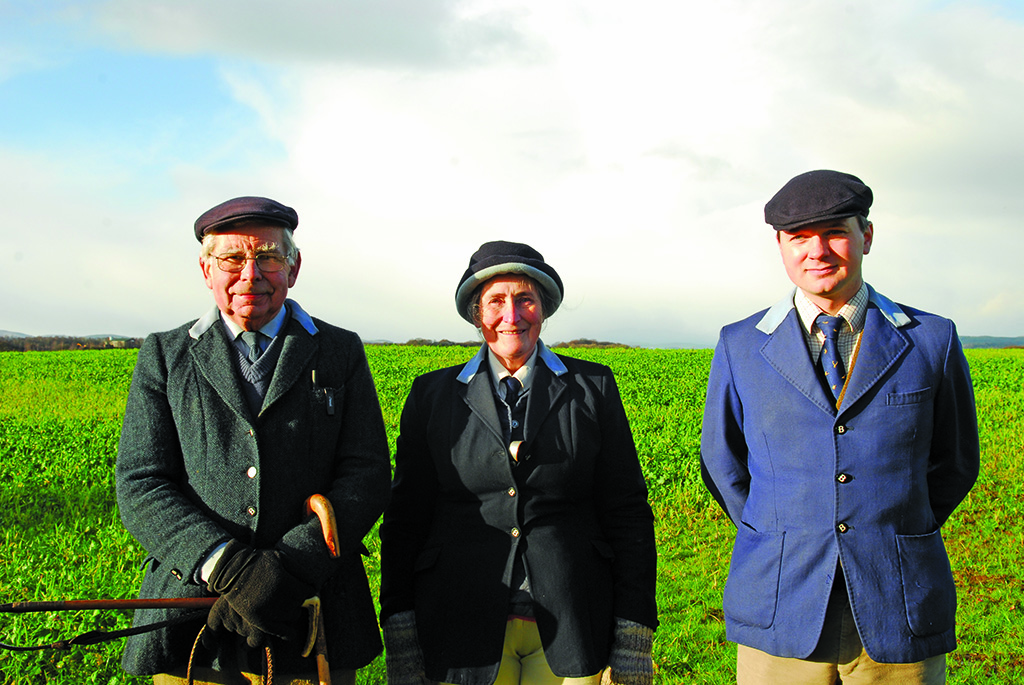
x: 839, y: 434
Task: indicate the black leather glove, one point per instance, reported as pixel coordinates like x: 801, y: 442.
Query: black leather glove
x: 258, y: 596
x: 223, y: 618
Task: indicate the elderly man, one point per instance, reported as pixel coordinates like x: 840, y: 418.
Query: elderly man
x: 839, y: 435
x: 232, y: 422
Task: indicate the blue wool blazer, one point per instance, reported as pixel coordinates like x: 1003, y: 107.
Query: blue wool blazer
x: 195, y: 468
x: 867, y: 486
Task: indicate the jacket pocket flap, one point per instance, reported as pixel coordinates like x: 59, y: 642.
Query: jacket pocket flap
x: 604, y: 549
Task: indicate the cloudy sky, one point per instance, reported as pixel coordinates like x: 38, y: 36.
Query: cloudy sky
x: 633, y: 143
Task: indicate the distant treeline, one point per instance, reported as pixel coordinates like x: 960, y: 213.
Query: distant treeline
x: 580, y: 342
x: 55, y: 343
x: 59, y: 342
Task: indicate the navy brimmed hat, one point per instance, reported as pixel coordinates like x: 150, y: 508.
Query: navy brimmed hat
x: 261, y: 209
x: 817, y: 196
x: 501, y: 257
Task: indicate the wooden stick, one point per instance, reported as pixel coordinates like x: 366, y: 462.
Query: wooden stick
x: 85, y: 604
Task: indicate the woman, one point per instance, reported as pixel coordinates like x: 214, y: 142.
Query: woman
x: 519, y: 545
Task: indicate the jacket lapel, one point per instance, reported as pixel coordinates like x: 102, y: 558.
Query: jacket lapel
x: 786, y: 351
x: 479, y: 396
x: 544, y: 393
x: 882, y: 344
x: 212, y: 354
x: 299, y: 347
x: 474, y: 387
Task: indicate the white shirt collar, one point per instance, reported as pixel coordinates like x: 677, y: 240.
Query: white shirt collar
x: 524, y: 373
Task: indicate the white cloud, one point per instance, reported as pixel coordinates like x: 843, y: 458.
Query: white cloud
x: 385, y: 33
x: 633, y: 145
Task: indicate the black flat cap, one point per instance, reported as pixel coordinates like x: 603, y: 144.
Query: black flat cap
x: 261, y: 209
x: 817, y: 196
x: 502, y: 257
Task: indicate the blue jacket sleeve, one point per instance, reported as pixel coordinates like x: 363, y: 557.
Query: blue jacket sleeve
x: 723, y: 446
x: 955, y: 453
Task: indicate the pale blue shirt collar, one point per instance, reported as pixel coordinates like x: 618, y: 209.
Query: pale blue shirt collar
x: 271, y: 329
x: 211, y: 317
x: 475, y: 365
x: 778, y: 312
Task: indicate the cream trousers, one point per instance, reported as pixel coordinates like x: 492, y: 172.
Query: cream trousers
x: 523, y: 662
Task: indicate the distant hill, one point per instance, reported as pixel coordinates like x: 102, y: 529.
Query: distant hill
x: 990, y: 342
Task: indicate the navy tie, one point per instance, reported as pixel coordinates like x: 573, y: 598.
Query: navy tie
x: 513, y: 386
x: 252, y: 339
x: 512, y: 389
x: 831, y: 362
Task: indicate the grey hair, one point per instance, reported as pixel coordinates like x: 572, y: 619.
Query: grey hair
x: 288, y: 246
x: 547, y: 303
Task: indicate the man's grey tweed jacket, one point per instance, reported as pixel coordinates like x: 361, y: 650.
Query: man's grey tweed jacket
x: 195, y: 468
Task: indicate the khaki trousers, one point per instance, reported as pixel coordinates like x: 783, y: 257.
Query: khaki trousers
x: 839, y: 658
x: 523, y: 662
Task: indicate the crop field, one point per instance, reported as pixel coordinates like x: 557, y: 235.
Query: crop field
x: 60, y: 417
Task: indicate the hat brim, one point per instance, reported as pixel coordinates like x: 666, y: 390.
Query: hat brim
x: 220, y: 226
x: 816, y: 220
x: 470, y: 284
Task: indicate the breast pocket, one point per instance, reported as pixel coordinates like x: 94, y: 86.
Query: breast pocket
x: 328, y: 401
x: 897, y: 399
x: 909, y: 417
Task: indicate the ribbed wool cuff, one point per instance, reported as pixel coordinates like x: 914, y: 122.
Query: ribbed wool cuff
x: 630, y: 659
x: 402, y: 656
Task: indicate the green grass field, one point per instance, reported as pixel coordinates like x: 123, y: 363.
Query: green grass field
x: 60, y: 416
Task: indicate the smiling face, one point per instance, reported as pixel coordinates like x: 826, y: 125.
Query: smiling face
x: 250, y: 297
x: 510, y: 318
x: 824, y: 260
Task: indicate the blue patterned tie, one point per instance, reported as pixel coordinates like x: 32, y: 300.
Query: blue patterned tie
x: 831, y: 362
x: 252, y: 339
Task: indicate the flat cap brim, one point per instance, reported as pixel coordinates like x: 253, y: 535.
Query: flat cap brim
x: 259, y: 209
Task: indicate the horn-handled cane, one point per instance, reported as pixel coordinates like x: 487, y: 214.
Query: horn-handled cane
x: 321, y: 506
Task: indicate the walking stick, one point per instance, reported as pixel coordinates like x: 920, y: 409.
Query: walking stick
x: 316, y: 504
x: 321, y: 506
x: 85, y: 604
